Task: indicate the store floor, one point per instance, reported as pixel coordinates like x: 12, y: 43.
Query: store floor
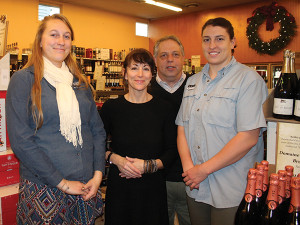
x: 100, y: 221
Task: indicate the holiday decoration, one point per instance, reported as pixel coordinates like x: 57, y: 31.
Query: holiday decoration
x: 272, y: 14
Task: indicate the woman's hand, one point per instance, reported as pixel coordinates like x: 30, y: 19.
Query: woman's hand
x: 72, y: 187
x: 194, y: 176
x: 126, y: 168
x: 92, y: 186
x: 137, y: 163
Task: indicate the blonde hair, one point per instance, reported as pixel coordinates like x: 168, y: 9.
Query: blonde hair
x: 36, y: 60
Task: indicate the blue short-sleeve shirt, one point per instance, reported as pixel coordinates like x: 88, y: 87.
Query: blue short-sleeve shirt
x: 212, y: 112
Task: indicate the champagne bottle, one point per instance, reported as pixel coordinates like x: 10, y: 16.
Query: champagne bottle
x: 293, y: 217
x: 259, y: 187
x: 265, y: 180
x: 282, y: 209
x: 247, y: 213
x: 297, y: 87
x: 297, y: 102
x: 289, y: 174
x: 270, y: 213
x: 281, y: 186
x: 284, y: 92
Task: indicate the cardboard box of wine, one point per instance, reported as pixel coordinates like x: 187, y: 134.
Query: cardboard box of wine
x: 9, y: 168
x: 8, y: 204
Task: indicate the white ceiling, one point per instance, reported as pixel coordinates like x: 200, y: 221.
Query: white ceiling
x: 138, y: 8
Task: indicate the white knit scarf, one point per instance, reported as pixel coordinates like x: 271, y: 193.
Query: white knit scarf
x: 68, y: 107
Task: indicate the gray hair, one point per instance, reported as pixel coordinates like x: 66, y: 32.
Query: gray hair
x: 165, y: 38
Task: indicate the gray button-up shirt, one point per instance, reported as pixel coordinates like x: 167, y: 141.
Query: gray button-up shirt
x: 212, y: 113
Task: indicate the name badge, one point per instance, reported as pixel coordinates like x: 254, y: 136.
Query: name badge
x: 191, y: 87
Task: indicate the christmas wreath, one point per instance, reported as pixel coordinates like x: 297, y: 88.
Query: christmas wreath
x: 271, y: 14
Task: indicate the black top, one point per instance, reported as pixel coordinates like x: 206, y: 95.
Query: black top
x: 173, y: 173
x: 138, y: 131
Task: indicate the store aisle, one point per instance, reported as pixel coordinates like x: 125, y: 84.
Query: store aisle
x: 100, y: 221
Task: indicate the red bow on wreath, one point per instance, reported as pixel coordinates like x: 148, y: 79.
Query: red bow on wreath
x: 269, y: 12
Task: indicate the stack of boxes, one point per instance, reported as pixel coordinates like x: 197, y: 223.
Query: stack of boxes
x: 9, y: 173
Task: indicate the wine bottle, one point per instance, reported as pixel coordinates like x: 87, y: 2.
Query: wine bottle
x: 265, y: 180
x: 289, y: 174
x: 293, y: 217
x: 284, y: 92
x: 297, y: 87
x: 270, y: 213
x: 281, y: 186
x: 247, y: 213
x: 259, y: 187
x: 282, y: 209
x: 297, y: 102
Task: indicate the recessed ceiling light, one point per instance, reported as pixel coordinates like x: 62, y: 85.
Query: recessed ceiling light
x: 192, y: 5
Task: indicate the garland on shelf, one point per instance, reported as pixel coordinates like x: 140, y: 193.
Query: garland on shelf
x: 271, y: 14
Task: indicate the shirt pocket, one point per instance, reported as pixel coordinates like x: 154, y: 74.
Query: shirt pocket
x: 221, y: 108
x: 188, y: 99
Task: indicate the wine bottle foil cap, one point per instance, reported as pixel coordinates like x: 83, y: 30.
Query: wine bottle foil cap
x: 286, y: 53
x: 295, y: 182
x: 292, y: 54
x: 274, y: 179
x: 259, y: 172
x: 260, y: 167
x: 252, y: 173
x: 282, y: 174
x: 289, y: 168
x: 266, y: 164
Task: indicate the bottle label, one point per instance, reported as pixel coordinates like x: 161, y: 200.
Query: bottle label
x: 283, y: 106
x: 297, y: 108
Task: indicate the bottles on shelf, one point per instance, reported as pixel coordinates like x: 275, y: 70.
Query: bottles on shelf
x: 13, y: 48
x: 17, y: 61
x: 247, y: 213
x: 284, y: 92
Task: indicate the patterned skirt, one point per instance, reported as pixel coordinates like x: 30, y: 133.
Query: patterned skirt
x: 39, y: 204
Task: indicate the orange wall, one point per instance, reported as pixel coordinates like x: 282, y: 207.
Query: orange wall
x: 188, y: 29
x: 92, y: 28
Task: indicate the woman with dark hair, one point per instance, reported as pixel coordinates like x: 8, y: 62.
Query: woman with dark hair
x: 142, y: 145
x: 56, y: 132
x: 220, y: 126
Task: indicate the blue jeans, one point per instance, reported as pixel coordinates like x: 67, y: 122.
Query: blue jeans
x: 177, y: 203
